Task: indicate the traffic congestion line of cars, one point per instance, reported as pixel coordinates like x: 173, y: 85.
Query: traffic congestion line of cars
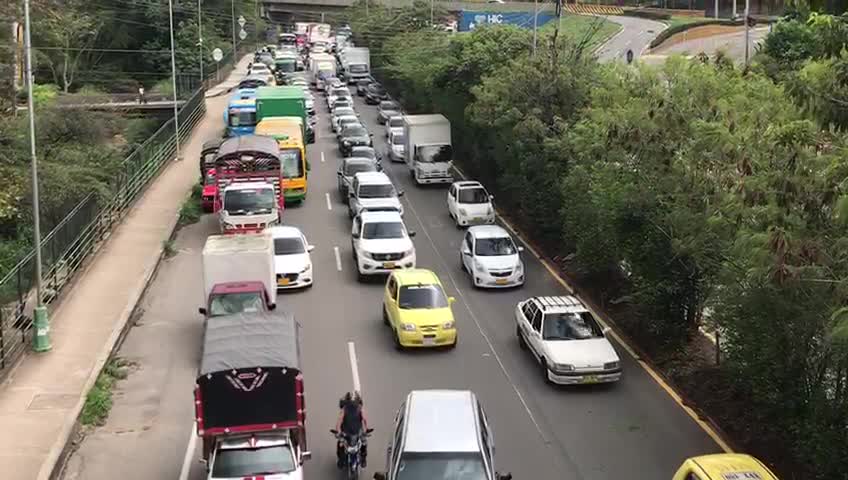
x: 250, y: 410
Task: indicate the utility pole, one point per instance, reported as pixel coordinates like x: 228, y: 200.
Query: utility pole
x: 233, y: 4
x: 366, y: 8
x: 174, y: 79
x: 747, y: 30
x: 716, y: 10
x: 535, y: 23
x: 432, y: 5
x: 200, y: 40
x: 41, y: 339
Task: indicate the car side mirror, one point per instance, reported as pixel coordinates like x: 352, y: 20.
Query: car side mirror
x: 339, y: 174
x: 491, y: 197
x: 411, y: 233
x: 400, y: 193
x: 202, y: 310
x: 606, y: 330
x: 370, y: 134
x: 520, y: 249
x: 354, y: 235
x: 379, y: 476
x: 451, y: 299
x: 272, y: 306
x: 310, y: 248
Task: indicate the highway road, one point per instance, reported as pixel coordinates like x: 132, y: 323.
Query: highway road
x: 630, y: 430
x: 636, y: 34
x: 733, y: 44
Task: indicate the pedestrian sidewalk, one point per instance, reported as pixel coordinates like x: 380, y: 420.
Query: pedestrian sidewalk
x: 233, y: 80
x: 42, y: 398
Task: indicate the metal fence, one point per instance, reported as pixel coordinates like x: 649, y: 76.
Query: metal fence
x: 69, y: 244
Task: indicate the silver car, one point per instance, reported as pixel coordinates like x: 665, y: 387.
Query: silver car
x: 349, y: 167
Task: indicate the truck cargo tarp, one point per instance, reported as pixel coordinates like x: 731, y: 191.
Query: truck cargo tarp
x: 249, y: 376
x: 249, y: 144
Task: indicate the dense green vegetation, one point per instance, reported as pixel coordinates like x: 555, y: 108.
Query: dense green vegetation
x: 695, y: 195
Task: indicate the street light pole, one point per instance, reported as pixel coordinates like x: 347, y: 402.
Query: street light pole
x: 174, y: 78
x: 41, y: 339
x: 200, y: 39
x: 535, y: 23
x: 432, y: 4
x: 233, y: 4
x: 747, y: 30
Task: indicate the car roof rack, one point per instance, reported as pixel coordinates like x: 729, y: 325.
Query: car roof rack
x: 566, y: 301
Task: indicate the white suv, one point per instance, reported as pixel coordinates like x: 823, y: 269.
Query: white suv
x: 381, y: 243
x: 373, y: 191
x: 567, y: 340
x: 491, y: 257
x: 470, y: 204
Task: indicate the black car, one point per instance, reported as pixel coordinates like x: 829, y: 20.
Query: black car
x: 362, y: 87
x: 386, y: 110
x: 354, y: 136
x: 310, y: 133
x: 375, y: 93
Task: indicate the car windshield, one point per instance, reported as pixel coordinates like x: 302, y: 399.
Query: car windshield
x: 364, y: 152
x: 388, y: 106
x: 396, y: 122
x: 382, y: 230
x: 358, y: 68
x: 288, y: 246
x: 376, y: 191
x: 570, y: 326
x: 352, y: 168
x: 242, y: 118
x: 493, y: 247
x: 249, y: 201
x: 285, y: 66
x: 363, y: 83
x: 344, y: 122
x: 397, y: 140
x: 376, y: 89
x: 452, y: 466
x: 342, y: 103
x: 292, y: 163
x: 421, y: 296
x: 231, y: 303
x: 355, y: 131
x: 435, y: 153
x: 473, y: 195
x: 250, y: 462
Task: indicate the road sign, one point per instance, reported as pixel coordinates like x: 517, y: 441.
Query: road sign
x: 217, y: 54
x: 242, y: 34
x: 241, y: 21
x: 471, y: 20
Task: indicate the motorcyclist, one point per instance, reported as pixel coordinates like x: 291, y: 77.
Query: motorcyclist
x: 351, y: 422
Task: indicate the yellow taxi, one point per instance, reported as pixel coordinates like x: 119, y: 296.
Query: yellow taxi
x: 724, y: 466
x: 418, y: 311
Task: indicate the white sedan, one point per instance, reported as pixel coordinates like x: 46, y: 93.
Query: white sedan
x: 491, y: 257
x: 292, y: 262
x: 470, y: 204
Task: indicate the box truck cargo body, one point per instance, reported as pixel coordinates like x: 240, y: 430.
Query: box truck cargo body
x: 428, y: 149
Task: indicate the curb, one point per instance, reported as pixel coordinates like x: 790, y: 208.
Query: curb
x: 52, y: 467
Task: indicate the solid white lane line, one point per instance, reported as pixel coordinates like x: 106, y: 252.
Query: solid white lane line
x: 322, y: 157
x: 354, y: 367
x: 338, y: 259
x: 329, y: 203
x: 477, y: 322
x: 189, y: 454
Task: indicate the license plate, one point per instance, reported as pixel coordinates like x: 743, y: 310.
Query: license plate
x: 389, y: 265
x: 283, y: 282
x: 590, y: 379
x: 501, y: 281
x: 429, y: 341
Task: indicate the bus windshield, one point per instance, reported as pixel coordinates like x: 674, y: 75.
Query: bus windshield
x: 292, y: 163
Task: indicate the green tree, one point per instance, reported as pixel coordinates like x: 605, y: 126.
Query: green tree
x: 64, y: 34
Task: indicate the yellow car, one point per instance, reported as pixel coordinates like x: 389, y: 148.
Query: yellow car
x: 724, y: 466
x: 417, y: 309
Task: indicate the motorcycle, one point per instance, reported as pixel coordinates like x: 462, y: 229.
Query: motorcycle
x: 352, y: 446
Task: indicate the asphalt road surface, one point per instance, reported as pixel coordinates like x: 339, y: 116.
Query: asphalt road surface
x: 632, y: 430
x: 636, y: 34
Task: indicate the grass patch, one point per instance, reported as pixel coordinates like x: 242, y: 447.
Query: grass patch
x: 576, y: 27
x: 168, y: 248
x: 98, y: 402
x: 191, y: 210
x: 677, y: 20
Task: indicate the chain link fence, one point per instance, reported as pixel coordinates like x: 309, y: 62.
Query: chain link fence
x: 79, y: 235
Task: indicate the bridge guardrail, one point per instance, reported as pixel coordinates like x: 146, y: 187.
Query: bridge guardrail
x: 81, y: 232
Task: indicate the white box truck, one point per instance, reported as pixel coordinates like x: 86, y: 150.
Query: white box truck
x: 356, y: 64
x: 238, y: 274
x: 429, y: 153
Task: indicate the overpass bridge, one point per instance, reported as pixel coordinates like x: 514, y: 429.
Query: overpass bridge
x: 286, y: 11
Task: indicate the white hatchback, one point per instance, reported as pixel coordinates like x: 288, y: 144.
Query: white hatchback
x: 292, y: 262
x: 491, y: 257
x: 470, y: 204
x: 567, y: 341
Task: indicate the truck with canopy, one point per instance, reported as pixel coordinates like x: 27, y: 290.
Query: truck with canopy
x: 250, y: 184
x: 249, y: 397
x: 288, y: 101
